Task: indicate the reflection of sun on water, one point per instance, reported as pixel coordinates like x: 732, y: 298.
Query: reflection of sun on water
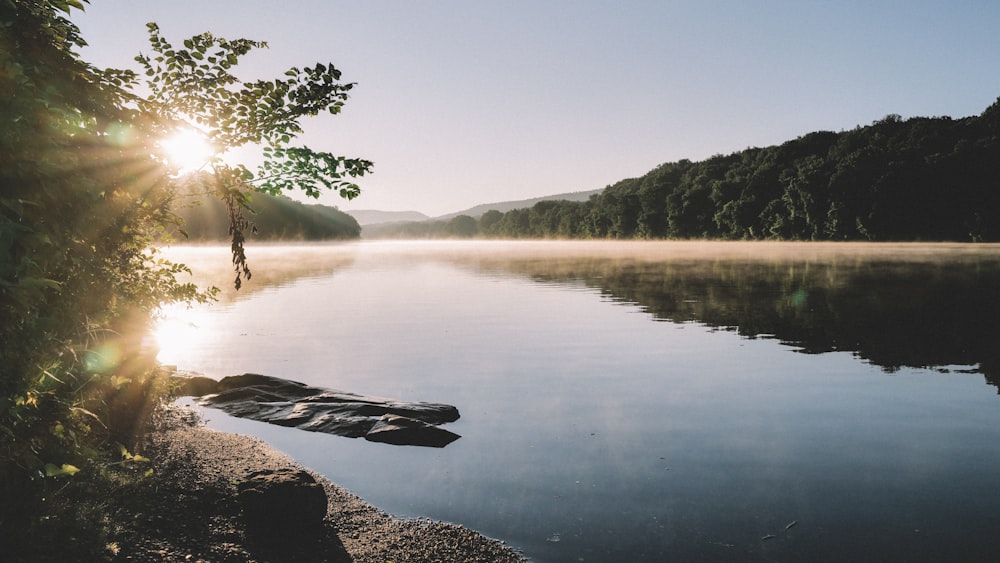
x: 177, y: 330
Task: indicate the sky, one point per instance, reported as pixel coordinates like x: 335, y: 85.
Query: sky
x: 464, y: 102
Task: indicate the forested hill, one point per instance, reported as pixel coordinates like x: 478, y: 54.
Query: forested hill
x: 923, y: 178
x: 276, y: 218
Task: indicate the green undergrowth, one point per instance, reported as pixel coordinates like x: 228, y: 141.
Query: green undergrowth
x: 73, y: 513
x: 70, y: 518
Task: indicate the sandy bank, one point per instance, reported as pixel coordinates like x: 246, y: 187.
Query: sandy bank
x: 187, y: 510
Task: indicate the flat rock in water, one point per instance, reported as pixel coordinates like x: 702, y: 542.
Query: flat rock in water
x: 290, y: 403
x: 399, y: 430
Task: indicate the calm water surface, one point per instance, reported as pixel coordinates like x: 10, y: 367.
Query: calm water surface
x: 643, y: 402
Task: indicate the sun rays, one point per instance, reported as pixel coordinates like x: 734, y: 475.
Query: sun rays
x: 187, y: 150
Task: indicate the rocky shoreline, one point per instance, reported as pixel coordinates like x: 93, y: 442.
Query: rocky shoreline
x: 188, y: 509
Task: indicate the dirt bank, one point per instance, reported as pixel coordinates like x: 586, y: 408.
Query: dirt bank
x: 186, y: 510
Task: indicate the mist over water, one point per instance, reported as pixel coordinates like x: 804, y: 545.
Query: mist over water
x: 630, y: 401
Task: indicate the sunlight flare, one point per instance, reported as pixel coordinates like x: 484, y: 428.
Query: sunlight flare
x: 188, y: 150
x: 177, y: 327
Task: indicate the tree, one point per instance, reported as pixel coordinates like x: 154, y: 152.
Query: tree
x: 86, y: 190
x: 194, y: 86
x: 488, y: 222
x: 462, y: 226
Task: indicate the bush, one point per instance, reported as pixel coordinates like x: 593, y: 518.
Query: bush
x: 85, y: 193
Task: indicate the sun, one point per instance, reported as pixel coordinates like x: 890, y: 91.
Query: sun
x: 187, y: 150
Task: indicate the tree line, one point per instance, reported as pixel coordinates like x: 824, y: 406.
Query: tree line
x: 274, y: 217
x: 918, y: 179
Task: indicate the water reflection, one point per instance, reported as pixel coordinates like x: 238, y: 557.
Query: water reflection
x: 272, y: 265
x: 928, y: 306
x: 633, y: 440
x: 894, y: 305
x: 179, y: 326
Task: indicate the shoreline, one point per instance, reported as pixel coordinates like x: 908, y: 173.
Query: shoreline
x: 186, y: 509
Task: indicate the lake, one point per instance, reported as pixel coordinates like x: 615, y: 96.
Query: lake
x: 642, y: 401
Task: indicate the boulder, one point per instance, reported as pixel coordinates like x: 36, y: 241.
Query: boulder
x: 282, y: 502
x: 193, y: 385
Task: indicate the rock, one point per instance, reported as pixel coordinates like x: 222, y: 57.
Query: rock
x: 282, y: 502
x: 193, y: 385
x: 281, y: 387
x: 290, y: 403
x: 403, y: 431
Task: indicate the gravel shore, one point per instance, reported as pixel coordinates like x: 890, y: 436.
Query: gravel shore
x: 186, y: 510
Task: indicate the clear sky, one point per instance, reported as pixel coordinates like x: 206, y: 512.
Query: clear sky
x: 462, y: 102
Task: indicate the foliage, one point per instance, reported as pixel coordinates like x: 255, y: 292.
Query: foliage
x: 195, y: 85
x: 460, y: 226
x: 915, y: 179
x: 276, y: 218
x: 82, y: 200
x: 86, y: 191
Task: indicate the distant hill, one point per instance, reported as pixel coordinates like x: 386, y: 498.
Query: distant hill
x: 505, y: 206
x: 457, y: 224
x: 375, y: 217
x: 916, y: 179
x: 372, y: 217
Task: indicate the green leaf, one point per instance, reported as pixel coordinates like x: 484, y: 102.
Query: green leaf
x: 51, y: 470
x: 88, y: 413
x: 39, y: 283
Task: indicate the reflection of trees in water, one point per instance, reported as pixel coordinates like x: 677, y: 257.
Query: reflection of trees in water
x: 918, y: 310
x: 273, y: 266
x: 916, y: 313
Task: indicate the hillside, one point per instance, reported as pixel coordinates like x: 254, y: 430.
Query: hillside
x: 379, y: 219
x: 375, y: 217
x: 276, y: 218
x: 462, y: 223
x: 504, y: 206
x: 916, y: 179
